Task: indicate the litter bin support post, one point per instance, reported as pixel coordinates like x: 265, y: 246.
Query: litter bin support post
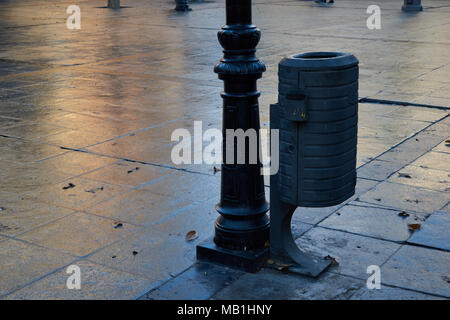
x: 412, y: 5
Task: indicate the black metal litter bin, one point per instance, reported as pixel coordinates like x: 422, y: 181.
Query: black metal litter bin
x: 318, y: 99
x: 317, y: 118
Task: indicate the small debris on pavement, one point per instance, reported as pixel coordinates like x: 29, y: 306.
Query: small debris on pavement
x: 69, y: 186
x: 334, y: 262
x: 404, y: 175
x: 403, y: 214
x: 133, y: 170
x: 414, y: 226
x: 93, y: 190
x: 191, y: 235
x: 282, y: 266
x: 118, y: 225
x: 135, y: 252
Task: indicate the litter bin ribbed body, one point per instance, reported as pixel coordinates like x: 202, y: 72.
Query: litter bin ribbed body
x: 318, y: 99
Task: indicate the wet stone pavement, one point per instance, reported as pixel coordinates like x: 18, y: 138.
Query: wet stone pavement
x: 86, y: 177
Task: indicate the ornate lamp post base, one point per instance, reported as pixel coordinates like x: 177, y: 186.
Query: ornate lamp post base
x: 242, y: 229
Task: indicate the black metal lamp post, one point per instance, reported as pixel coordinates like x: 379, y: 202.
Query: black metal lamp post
x: 242, y: 229
x: 114, y: 4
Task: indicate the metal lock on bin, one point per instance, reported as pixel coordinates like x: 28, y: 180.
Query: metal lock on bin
x: 317, y: 118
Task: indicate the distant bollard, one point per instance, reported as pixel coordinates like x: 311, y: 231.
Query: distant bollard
x: 317, y: 118
x: 182, y: 5
x: 412, y: 5
x: 114, y: 4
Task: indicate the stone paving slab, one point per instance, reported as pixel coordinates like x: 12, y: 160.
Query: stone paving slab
x: 434, y: 232
x: 421, y: 269
x: 27, y: 152
x: 443, y: 147
x: 274, y: 285
x: 378, y: 169
x: 446, y: 208
x: 17, y: 217
x: 373, y: 222
x: 77, y: 193
x: 404, y: 197
x: 128, y: 173
x: 76, y: 163
x: 387, y: 293
x: 200, y: 282
x: 434, y: 160
x: 354, y: 253
x: 97, y: 283
x: 422, y: 177
x: 79, y: 234
x: 167, y: 237
x: 21, y: 263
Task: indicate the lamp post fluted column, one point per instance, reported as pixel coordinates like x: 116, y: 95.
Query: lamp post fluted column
x: 242, y: 229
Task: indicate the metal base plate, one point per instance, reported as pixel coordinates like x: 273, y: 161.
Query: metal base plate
x: 310, y: 271
x: 248, y: 261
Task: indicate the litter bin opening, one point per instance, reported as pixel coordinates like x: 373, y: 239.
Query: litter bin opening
x: 318, y: 61
x: 317, y: 55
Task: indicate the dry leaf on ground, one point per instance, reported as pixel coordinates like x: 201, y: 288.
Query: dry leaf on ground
x: 191, y: 235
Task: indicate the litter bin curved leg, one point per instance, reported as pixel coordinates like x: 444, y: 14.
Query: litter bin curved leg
x: 283, y: 248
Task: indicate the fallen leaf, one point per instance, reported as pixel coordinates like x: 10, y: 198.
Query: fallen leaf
x: 191, y: 235
x: 404, y: 175
x: 414, y: 226
x: 403, y: 214
x: 334, y: 262
x: 282, y: 266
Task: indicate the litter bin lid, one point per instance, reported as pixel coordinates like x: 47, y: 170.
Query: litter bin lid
x: 316, y: 61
